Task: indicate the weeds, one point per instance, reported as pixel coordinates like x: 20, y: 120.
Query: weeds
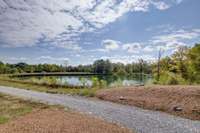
x: 50, y: 86
x: 13, y: 107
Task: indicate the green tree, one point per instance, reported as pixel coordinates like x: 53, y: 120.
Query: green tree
x: 194, y: 63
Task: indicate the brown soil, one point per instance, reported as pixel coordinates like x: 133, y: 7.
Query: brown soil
x: 59, y: 121
x: 183, y: 101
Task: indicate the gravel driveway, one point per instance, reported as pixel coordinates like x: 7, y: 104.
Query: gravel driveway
x: 141, y: 121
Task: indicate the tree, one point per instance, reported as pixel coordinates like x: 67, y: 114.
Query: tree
x: 160, y: 52
x: 2, y: 67
x: 180, y: 61
x: 103, y: 67
x: 194, y: 63
x: 129, y: 68
x: 182, y: 67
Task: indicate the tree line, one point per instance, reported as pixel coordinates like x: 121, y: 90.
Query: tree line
x: 182, y: 67
x: 99, y: 66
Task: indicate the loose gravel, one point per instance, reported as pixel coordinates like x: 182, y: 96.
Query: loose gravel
x: 141, y: 121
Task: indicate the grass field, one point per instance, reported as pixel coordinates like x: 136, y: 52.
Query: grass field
x: 11, y: 107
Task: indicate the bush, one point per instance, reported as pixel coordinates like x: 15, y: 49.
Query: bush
x: 168, y: 78
x: 49, y: 81
x: 88, y: 92
x: 102, y: 83
x: 83, y: 81
x: 121, y: 72
x: 95, y: 82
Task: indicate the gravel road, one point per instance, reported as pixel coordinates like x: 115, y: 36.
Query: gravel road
x: 141, y: 121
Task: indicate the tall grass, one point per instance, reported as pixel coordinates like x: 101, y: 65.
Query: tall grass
x: 45, y: 81
x: 96, y: 83
x: 51, y: 85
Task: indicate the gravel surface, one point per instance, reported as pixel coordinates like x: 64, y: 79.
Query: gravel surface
x: 141, y: 121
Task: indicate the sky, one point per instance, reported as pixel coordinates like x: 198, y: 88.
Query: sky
x: 82, y: 31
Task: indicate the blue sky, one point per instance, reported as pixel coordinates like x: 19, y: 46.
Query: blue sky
x: 81, y: 31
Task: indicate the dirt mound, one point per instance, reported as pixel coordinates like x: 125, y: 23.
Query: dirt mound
x: 178, y: 100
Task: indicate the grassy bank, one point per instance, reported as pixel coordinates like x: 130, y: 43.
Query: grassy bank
x: 11, y: 108
x: 48, y: 88
x: 179, y: 100
x: 55, y: 74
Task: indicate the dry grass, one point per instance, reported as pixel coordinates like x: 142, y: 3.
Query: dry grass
x: 89, y: 92
x: 11, y: 107
x: 162, y: 98
x: 21, y: 116
x: 60, y: 121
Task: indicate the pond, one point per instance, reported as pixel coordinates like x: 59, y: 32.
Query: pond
x: 110, y: 81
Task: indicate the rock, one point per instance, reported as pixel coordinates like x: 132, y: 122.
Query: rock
x: 177, y: 109
x: 139, y: 85
x: 121, y: 98
x: 196, y: 111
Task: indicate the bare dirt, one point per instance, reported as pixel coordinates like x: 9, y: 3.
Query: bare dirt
x: 59, y: 121
x: 183, y: 101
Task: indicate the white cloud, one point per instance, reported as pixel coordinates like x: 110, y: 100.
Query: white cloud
x: 148, y: 49
x: 161, y: 5
x: 52, y: 58
x: 110, y: 45
x: 128, y: 59
x: 36, y: 60
x: 167, y: 41
x: 172, y: 41
x: 132, y: 47
x: 60, y: 23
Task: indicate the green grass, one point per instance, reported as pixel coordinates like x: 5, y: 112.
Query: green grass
x: 3, y: 119
x: 4, y: 81
x: 12, y: 107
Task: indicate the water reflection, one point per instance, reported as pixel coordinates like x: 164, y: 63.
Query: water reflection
x: 110, y: 81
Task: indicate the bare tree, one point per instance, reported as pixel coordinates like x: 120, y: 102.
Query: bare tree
x: 141, y: 63
x: 180, y: 57
x: 160, y: 52
x: 66, y: 62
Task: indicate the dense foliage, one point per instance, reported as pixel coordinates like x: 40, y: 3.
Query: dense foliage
x: 183, y: 67
x: 99, y: 66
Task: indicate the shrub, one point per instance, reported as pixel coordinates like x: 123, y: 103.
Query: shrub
x: 88, y: 92
x: 95, y: 82
x: 168, y: 78
x: 102, y: 83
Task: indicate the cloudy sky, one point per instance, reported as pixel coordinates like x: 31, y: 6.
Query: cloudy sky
x: 81, y: 31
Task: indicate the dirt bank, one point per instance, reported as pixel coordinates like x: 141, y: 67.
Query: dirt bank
x: 183, y: 101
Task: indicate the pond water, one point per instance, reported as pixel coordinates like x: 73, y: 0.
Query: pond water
x: 110, y: 81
